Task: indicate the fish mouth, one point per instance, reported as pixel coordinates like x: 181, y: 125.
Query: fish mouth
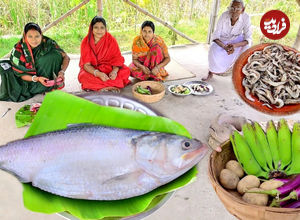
x: 199, y: 153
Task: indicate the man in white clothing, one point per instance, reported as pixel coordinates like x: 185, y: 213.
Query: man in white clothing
x: 231, y: 38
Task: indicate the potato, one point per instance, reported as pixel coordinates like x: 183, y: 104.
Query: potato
x: 271, y: 184
x: 235, y: 167
x: 229, y: 179
x: 256, y: 198
x: 247, y: 183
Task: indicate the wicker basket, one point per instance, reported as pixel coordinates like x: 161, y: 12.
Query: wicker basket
x: 233, y: 201
x: 158, y: 91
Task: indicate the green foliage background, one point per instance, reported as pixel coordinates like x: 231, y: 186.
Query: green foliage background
x: 188, y: 16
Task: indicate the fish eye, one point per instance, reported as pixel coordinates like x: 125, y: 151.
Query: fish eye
x: 186, y: 145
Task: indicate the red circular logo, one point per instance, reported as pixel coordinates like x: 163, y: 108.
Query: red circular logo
x: 275, y: 24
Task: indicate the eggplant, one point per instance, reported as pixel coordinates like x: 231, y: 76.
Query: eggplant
x: 284, y: 181
x: 149, y: 89
x: 282, y: 190
x: 295, y: 194
x: 295, y: 204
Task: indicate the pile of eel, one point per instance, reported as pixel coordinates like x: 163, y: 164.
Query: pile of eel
x: 273, y: 76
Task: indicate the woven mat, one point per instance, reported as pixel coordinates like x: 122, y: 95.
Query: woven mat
x: 176, y: 71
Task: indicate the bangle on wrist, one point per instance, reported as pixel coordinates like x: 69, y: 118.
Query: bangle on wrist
x: 33, y: 78
x: 95, y: 72
x: 62, y: 71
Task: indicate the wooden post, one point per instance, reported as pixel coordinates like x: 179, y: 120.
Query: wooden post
x: 99, y: 8
x: 213, y: 19
x: 159, y: 20
x: 297, y: 41
x: 65, y: 15
x: 192, y: 7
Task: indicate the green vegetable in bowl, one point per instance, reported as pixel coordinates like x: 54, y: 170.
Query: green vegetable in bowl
x: 186, y: 91
x: 143, y: 91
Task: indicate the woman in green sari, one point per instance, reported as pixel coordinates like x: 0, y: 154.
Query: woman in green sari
x: 37, y: 65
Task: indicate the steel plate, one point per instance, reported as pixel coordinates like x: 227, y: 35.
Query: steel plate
x: 211, y: 89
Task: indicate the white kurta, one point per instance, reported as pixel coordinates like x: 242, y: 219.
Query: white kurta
x: 218, y: 59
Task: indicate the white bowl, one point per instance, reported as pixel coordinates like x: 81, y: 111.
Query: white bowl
x: 180, y: 94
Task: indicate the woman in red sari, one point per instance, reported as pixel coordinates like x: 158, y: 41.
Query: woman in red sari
x: 101, y: 63
x: 149, y: 55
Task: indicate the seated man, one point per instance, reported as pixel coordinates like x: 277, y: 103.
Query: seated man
x: 231, y: 38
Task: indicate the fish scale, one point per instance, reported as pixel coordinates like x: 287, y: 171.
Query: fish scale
x: 100, y: 163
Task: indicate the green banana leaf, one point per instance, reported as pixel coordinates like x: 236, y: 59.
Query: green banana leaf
x: 60, y: 109
x: 24, y: 116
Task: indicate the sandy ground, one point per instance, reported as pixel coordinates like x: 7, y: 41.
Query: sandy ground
x: 195, y: 201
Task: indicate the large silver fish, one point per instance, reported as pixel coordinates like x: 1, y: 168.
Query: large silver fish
x: 100, y: 163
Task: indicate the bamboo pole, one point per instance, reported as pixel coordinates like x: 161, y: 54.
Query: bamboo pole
x: 213, y: 18
x: 65, y: 15
x: 159, y: 20
x: 297, y: 41
x: 99, y: 8
x: 58, y: 20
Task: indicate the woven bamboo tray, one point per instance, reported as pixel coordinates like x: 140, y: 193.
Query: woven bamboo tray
x: 158, y: 91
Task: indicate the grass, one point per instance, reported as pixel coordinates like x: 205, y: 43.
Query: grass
x: 6, y: 44
x: 124, y: 21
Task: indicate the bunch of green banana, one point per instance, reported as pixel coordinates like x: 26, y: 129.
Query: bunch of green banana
x: 274, y: 153
x: 294, y: 168
x: 245, y: 156
x: 284, y: 144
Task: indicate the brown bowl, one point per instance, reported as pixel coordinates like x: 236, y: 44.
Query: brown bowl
x: 158, y: 91
x: 238, y: 76
x: 233, y: 201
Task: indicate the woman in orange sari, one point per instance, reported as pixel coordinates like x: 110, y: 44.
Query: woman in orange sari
x: 101, y: 63
x: 149, y: 55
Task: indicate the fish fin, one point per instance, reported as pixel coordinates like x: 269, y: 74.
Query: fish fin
x: 80, y: 125
x: 138, y: 178
x: 124, y: 178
